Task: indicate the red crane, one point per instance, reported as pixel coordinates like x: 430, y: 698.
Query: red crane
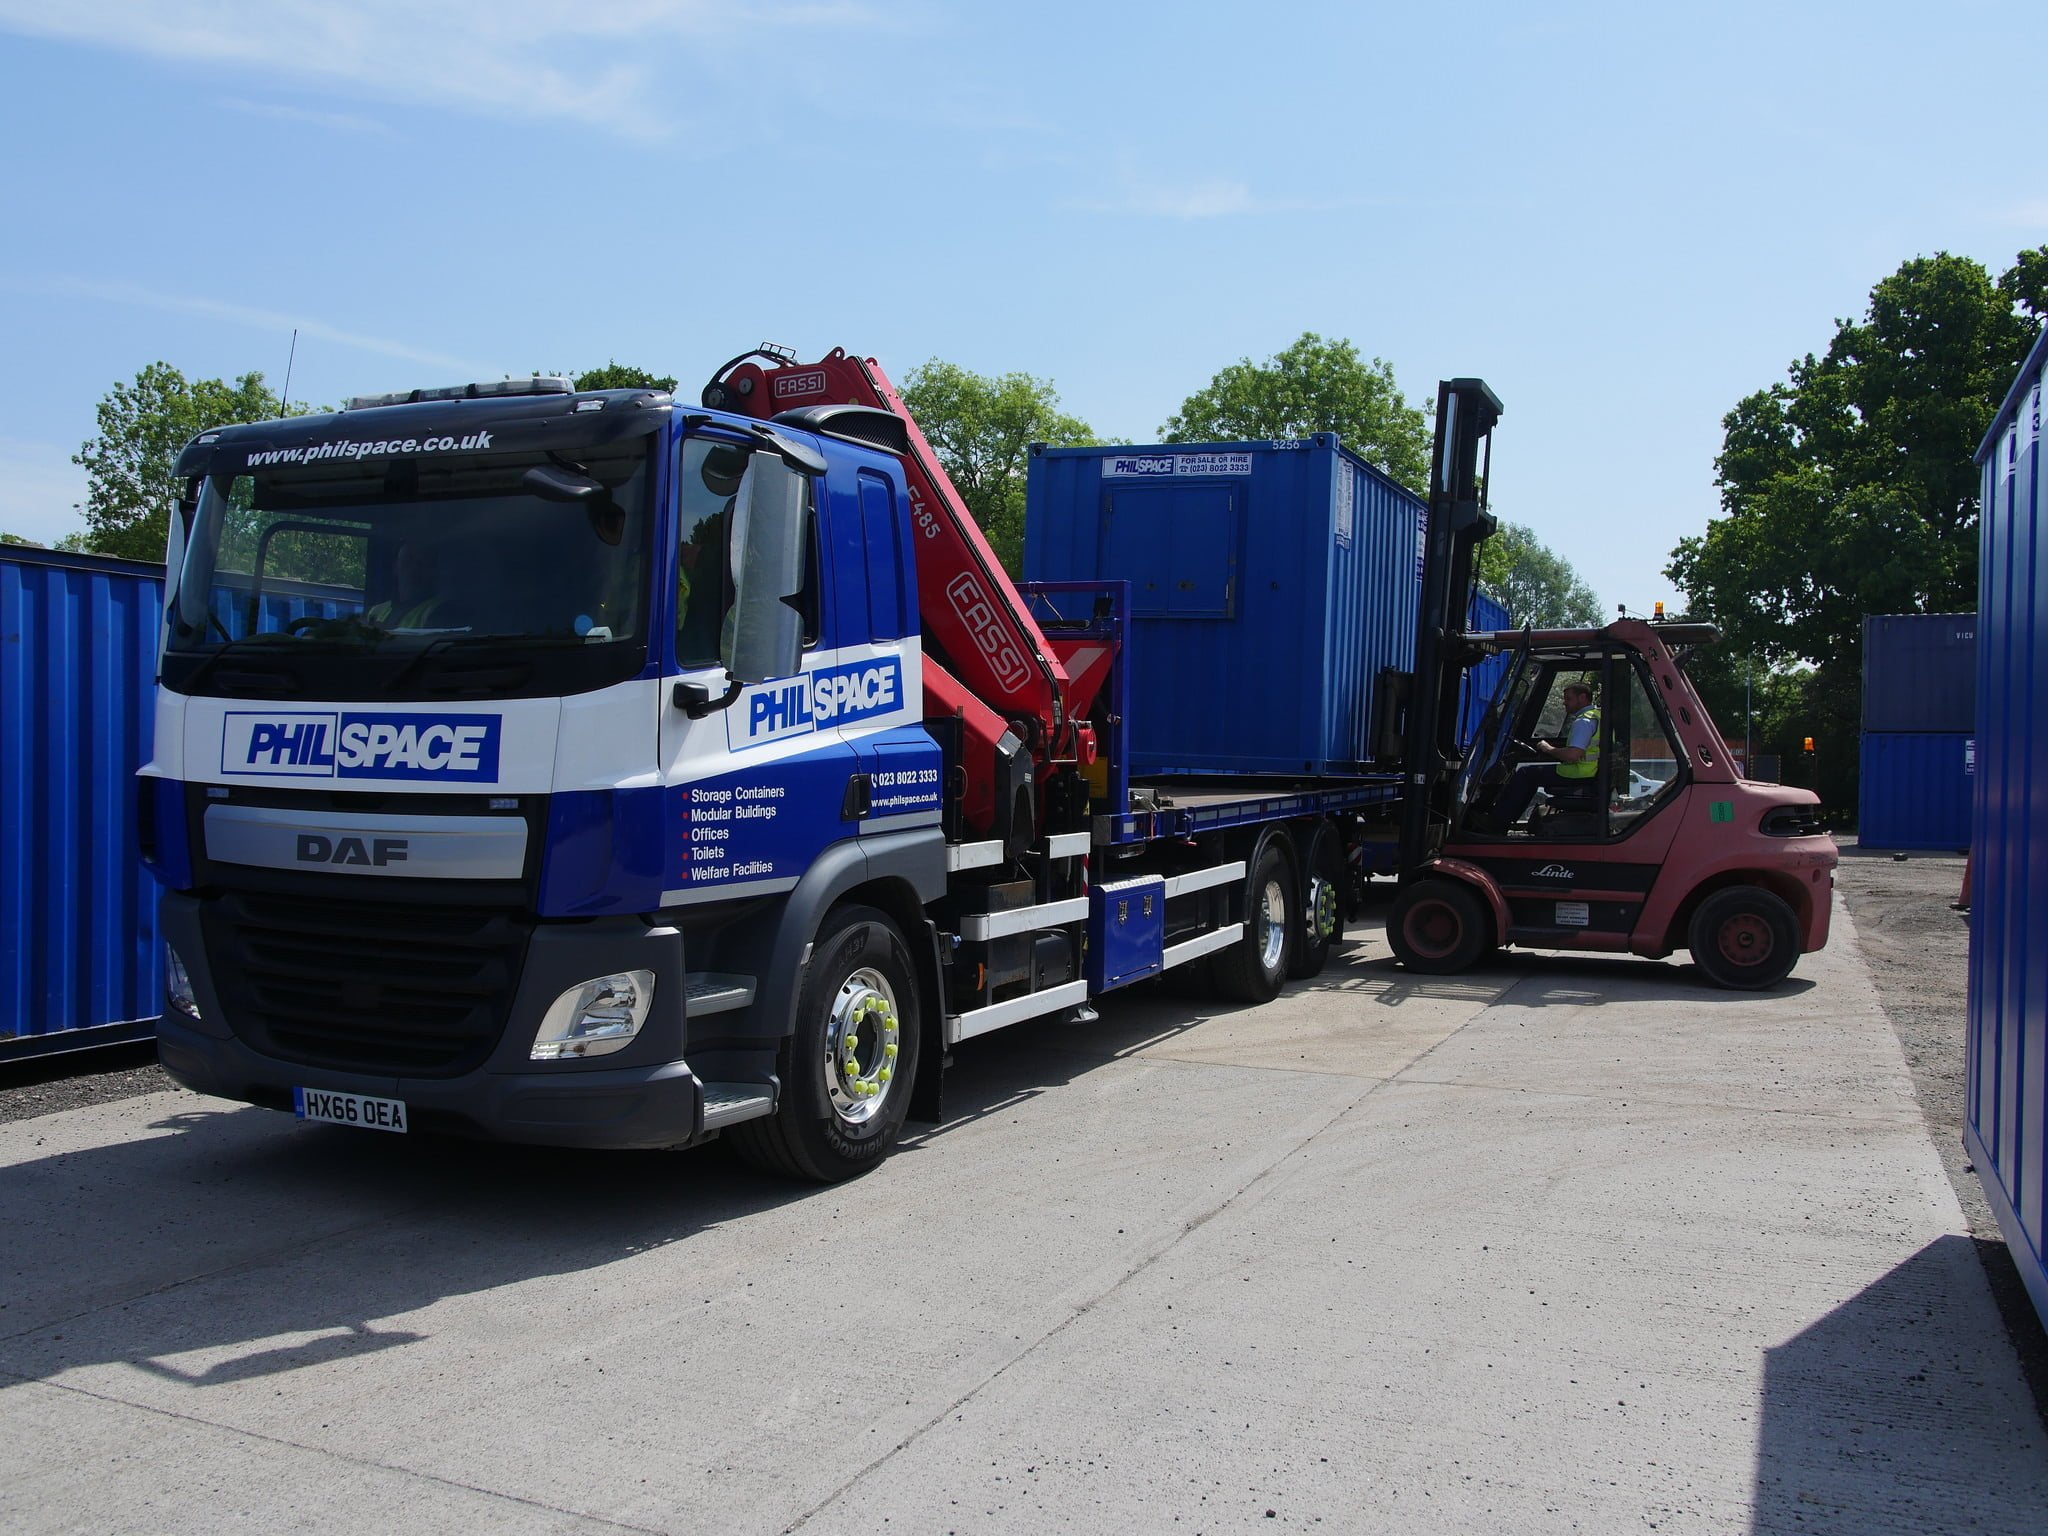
x: 987, y: 663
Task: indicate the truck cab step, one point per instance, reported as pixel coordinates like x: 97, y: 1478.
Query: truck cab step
x: 729, y: 1103
x: 714, y: 992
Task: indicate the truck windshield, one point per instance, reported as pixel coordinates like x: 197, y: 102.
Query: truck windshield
x: 524, y: 572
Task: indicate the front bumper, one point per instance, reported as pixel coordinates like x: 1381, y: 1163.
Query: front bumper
x: 623, y: 1108
x: 644, y: 1096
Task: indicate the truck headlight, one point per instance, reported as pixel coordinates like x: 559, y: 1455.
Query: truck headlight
x: 596, y: 1018
x: 178, y: 985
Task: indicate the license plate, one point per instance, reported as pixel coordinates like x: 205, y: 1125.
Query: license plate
x: 355, y: 1109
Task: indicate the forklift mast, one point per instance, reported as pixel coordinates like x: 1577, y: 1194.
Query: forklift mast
x: 1460, y: 465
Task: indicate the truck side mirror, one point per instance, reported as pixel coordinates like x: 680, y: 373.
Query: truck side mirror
x: 768, y: 570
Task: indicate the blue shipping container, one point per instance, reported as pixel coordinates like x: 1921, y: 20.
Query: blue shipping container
x: 2006, y: 1126
x: 1483, y: 681
x: 80, y: 961
x: 1270, y: 583
x: 1920, y: 672
x: 1914, y: 790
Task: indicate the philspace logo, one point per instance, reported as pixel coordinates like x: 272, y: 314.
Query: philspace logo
x: 1129, y: 466
x: 817, y: 701
x: 334, y: 745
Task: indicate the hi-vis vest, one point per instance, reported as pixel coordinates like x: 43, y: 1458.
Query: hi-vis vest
x: 1588, y: 765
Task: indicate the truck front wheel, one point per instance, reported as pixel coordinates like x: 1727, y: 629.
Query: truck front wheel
x: 1744, y: 938
x: 1439, y: 927
x: 848, y: 1064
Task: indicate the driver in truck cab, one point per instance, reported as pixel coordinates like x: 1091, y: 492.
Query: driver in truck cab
x: 416, y: 593
x: 1572, y: 762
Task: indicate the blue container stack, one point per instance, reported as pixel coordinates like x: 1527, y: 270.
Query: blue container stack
x: 1919, y: 712
x: 1270, y: 583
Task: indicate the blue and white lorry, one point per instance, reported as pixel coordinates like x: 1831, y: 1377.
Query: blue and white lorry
x: 606, y: 770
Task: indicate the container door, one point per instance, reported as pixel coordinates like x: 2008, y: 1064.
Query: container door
x: 1177, y: 546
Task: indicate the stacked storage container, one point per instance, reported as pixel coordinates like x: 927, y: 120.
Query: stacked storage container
x: 1919, y: 712
x: 1270, y: 583
x: 2006, y: 1123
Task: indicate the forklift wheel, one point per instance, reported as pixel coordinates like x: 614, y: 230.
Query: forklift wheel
x: 1438, y: 927
x: 1744, y: 938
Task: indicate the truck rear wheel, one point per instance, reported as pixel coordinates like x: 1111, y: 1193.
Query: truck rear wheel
x: 1439, y: 927
x: 848, y: 1064
x: 1744, y: 938
x: 1252, y: 969
x: 1322, y: 916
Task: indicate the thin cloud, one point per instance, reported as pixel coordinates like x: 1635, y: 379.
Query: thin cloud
x: 1209, y: 199
x: 341, y: 122
x: 511, y: 58
x: 276, y: 322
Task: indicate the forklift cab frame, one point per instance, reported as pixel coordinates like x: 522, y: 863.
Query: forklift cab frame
x: 1641, y: 768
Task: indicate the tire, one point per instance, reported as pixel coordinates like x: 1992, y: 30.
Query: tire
x: 1744, y: 938
x: 1322, y: 906
x: 841, y: 1112
x: 1439, y: 927
x: 1252, y: 969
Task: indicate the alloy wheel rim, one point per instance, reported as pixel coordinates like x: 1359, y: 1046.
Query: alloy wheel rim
x: 862, y: 1039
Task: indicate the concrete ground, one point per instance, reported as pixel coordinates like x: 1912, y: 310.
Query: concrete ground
x: 1561, y: 1245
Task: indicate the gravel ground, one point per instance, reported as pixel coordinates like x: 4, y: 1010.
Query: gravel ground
x: 42, y: 1087
x: 1918, y: 950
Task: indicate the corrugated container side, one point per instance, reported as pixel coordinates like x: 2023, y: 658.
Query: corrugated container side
x: 1920, y: 672
x: 2006, y: 1124
x: 1914, y: 790
x: 1270, y: 583
x: 78, y: 933
x: 1481, y: 683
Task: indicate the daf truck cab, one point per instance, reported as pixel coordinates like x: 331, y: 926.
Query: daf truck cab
x: 512, y: 747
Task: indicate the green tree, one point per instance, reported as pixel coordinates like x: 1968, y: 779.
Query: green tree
x: 1536, y: 585
x: 1313, y: 386
x: 15, y: 538
x: 617, y: 375
x: 142, y: 426
x: 1850, y: 488
x: 982, y: 428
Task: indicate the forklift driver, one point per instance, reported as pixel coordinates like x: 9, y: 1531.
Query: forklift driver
x: 1572, y: 765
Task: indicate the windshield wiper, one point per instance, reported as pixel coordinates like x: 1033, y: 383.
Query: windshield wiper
x: 269, y: 642
x: 443, y: 643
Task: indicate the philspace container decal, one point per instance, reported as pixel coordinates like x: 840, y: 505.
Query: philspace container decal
x: 2006, y: 1124
x: 1914, y: 791
x: 1270, y: 583
x: 1920, y: 672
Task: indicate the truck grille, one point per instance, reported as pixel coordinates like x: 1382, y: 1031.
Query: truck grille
x: 398, y: 989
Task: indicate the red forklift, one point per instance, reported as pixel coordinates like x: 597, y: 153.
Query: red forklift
x: 1663, y: 846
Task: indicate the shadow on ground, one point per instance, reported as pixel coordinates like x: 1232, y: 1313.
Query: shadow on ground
x: 1857, y: 1433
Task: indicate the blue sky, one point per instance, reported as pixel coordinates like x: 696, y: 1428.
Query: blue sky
x: 1625, y: 217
